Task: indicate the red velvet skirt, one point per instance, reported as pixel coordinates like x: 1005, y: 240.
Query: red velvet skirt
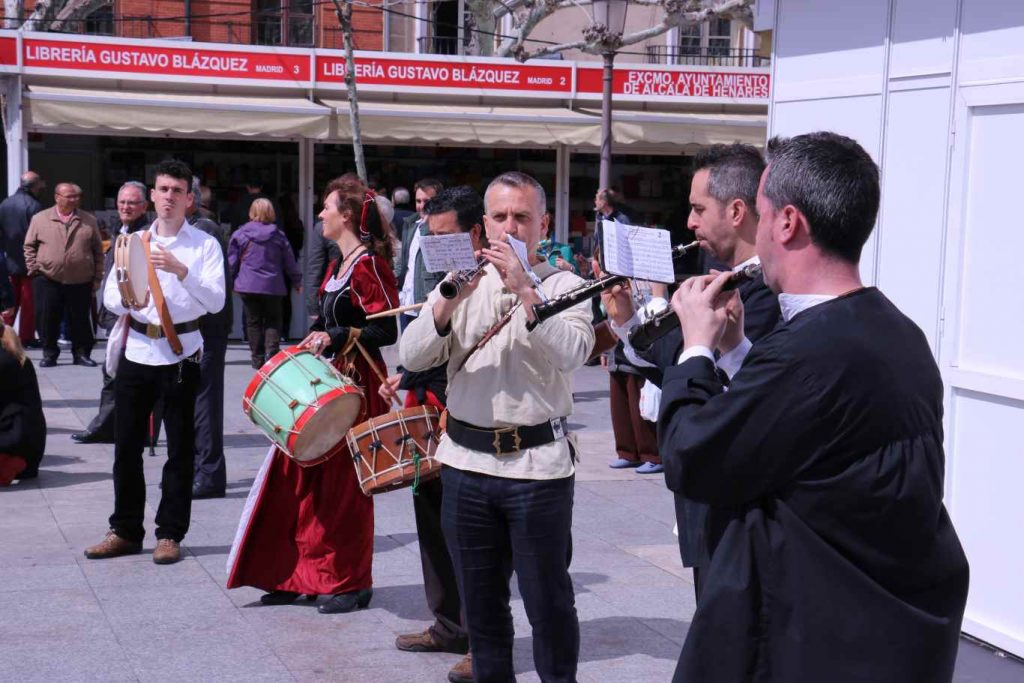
x: 308, y: 529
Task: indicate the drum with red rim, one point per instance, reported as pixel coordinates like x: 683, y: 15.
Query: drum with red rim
x: 396, y: 450
x: 303, y: 404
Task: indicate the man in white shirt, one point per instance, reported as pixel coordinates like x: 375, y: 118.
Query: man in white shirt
x: 508, y: 464
x: 190, y: 269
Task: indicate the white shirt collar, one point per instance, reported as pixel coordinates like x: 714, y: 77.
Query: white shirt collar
x: 791, y: 304
x: 750, y: 261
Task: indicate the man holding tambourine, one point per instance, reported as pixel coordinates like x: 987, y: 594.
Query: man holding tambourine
x: 162, y: 349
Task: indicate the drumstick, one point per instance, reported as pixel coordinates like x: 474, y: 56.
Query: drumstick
x: 395, y: 311
x: 376, y: 370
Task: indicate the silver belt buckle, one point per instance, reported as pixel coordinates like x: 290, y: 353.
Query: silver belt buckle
x: 557, y: 429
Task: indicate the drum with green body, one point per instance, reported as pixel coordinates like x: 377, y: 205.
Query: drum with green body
x: 303, y: 404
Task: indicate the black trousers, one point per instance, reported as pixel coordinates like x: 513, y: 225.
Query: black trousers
x: 103, y: 423
x: 56, y: 299
x: 263, y: 323
x: 493, y: 526
x: 136, y: 392
x: 210, y: 467
x: 439, y: 580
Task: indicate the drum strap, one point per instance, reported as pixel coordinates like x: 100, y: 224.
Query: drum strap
x: 158, y: 301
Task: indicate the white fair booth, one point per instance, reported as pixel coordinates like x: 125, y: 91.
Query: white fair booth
x: 934, y: 90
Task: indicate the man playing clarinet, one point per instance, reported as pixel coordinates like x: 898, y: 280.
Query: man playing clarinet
x: 509, y: 466
x: 723, y: 218
x: 832, y: 555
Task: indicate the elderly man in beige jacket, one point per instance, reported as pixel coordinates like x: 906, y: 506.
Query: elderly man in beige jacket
x: 64, y: 258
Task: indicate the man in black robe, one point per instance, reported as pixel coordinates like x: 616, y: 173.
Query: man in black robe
x: 832, y: 555
x: 722, y: 216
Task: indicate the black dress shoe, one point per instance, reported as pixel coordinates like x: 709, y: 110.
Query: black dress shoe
x: 346, y: 602
x: 90, y: 437
x: 279, y: 598
x: 200, y: 492
x: 33, y: 344
x: 85, y: 360
x: 48, y: 363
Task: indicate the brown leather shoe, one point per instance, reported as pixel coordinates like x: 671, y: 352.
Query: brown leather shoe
x: 418, y: 642
x: 166, y: 551
x: 112, y: 545
x: 463, y: 671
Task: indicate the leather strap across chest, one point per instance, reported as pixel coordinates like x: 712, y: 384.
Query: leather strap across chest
x: 166, y: 323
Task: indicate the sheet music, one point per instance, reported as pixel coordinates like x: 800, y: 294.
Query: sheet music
x: 444, y: 253
x: 519, y: 247
x: 637, y: 251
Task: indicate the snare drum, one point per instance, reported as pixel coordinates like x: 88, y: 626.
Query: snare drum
x: 396, y: 450
x: 303, y: 404
x: 131, y: 269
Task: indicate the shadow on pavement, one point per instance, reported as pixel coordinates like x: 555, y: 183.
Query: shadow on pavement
x: 71, y: 403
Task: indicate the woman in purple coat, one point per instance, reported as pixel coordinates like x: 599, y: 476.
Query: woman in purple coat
x: 262, y: 266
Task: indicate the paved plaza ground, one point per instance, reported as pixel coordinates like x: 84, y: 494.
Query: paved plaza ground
x: 65, y: 618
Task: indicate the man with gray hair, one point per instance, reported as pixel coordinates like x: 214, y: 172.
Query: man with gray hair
x: 131, y: 214
x: 15, y: 214
x: 509, y: 460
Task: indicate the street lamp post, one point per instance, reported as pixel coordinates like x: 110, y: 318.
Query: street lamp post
x: 608, y: 28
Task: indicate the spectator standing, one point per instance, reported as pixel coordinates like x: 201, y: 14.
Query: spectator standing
x: 400, y: 200
x: 238, y: 214
x: 210, y: 469
x: 322, y: 251
x: 131, y: 214
x: 412, y: 289
x: 206, y: 204
x: 261, y: 265
x: 15, y: 215
x: 64, y: 249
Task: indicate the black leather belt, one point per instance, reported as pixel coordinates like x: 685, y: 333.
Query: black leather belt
x: 507, y: 440
x: 157, y: 332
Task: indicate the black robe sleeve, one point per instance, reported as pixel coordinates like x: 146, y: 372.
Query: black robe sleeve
x: 731, y: 449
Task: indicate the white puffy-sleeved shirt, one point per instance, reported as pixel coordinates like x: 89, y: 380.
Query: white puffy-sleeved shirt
x: 201, y: 292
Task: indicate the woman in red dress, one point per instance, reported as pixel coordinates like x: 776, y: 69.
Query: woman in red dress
x: 310, y: 530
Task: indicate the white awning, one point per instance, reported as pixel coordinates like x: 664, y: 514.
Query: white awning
x: 542, y: 126
x: 138, y: 112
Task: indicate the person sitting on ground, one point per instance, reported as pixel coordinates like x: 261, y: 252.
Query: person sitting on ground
x: 22, y: 424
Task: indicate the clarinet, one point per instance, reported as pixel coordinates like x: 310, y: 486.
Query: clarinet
x: 643, y: 336
x: 451, y: 286
x: 588, y: 290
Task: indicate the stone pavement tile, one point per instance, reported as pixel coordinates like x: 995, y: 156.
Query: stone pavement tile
x: 20, y: 496
x: 415, y: 672
x: 34, y: 554
x: 673, y: 629
x: 78, y: 655
x: 400, y: 603
x: 631, y: 668
x: 662, y: 556
x: 42, y: 579
x: 216, y: 653
x: 50, y: 614
x: 110, y: 574
x: 167, y: 608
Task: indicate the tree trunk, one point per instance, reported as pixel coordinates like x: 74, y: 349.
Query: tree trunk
x: 345, y: 19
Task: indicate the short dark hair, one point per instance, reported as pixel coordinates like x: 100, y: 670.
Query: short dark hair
x: 734, y: 172
x: 428, y: 184
x: 463, y: 200
x: 519, y: 180
x: 178, y: 170
x: 612, y: 197
x: 833, y: 182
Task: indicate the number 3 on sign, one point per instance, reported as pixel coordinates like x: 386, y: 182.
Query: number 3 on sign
x: 295, y: 69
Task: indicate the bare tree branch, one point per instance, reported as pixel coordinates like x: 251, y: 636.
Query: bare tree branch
x: 678, y: 13
x: 12, y: 12
x: 76, y: 10
x: 40, y: 14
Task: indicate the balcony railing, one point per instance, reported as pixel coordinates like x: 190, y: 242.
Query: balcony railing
x: 439, y: 45
x: 665, y: 54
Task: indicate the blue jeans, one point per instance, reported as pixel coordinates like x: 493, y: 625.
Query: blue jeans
x: 493, y: 526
